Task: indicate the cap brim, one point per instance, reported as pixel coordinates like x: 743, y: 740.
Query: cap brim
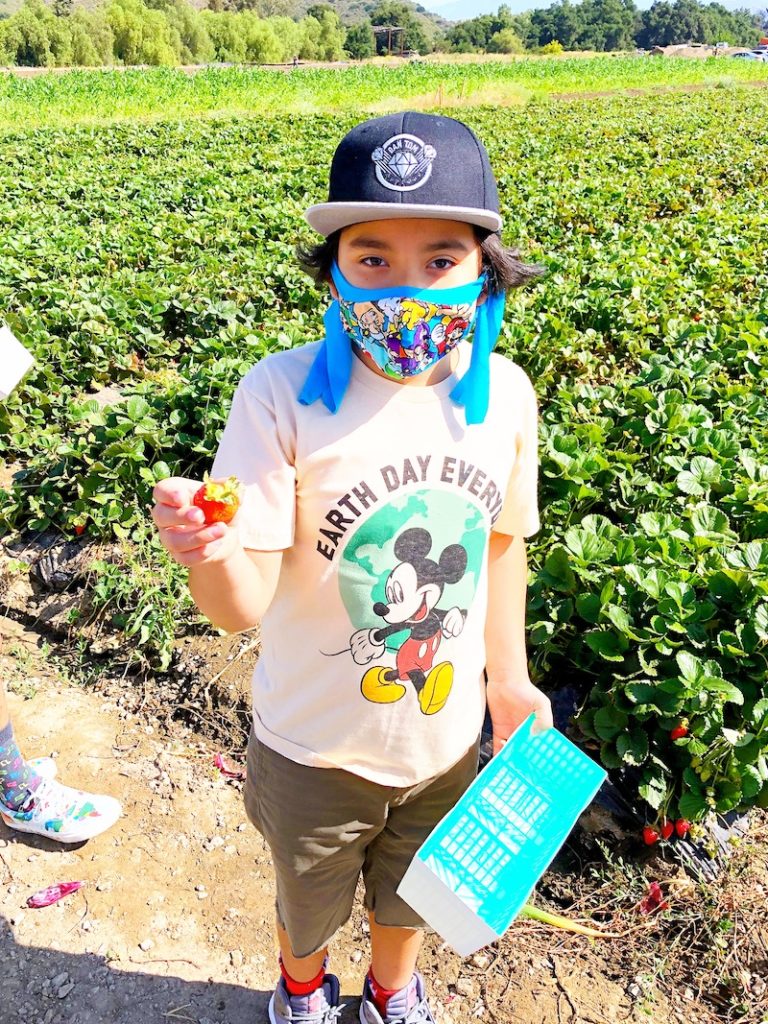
x: 326, y: 218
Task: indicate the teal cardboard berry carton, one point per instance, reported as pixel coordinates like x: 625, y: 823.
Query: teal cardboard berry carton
x: 477, y: 869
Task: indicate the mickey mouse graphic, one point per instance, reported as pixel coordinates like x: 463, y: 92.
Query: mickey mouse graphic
x: 413, y: 590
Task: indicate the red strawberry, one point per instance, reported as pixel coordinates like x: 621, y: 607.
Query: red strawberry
x: 679, y: 731
x: 650, y: 835
x: 667, y: 828
x: 682, y: 827
x: 218, y: 499
x: 80, y: 529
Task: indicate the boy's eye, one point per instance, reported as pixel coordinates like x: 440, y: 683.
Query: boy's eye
x: 442, y: 263
x: 373, y: 261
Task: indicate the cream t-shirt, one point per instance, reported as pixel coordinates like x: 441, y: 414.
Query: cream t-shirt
x: 372, y: 648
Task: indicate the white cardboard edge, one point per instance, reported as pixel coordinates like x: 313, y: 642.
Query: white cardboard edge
x: 15, y: 361
x: 443, y: 910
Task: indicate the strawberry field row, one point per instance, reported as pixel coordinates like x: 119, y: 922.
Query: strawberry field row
x: 158, y: 259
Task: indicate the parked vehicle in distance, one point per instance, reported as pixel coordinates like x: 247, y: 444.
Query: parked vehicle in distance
x: 747, y: 55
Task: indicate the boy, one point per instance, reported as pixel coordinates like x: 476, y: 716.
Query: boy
x: 380, y: 544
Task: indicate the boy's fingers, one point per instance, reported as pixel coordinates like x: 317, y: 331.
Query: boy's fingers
x: 543, y: 719
x: 181, y: 542
x: 199, y: 555
x: 175, y: 515
x: 176, y: 491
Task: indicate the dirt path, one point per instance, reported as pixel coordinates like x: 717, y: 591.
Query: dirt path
x: 174, y: 922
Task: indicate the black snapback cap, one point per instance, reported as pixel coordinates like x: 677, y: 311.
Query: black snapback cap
x: 409, y: 165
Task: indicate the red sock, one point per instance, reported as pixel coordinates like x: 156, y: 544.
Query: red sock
x: 301, y: 988
x: 380, y: 995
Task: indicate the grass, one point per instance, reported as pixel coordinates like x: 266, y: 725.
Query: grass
x: 104, y: 96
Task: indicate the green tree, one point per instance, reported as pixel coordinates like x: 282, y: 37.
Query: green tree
x: 142, y: 35
x: 682, y: 21
x: 390, y: 12
x: 316, y: 11
x: 332, y: 36
x: 30, y: 36
x: 262, y: 45
x: 505, y: 41
x: 360, y: 42
x: 226, y: 36
x: 191, y: 39
x: 92, y: 39
x: 491, y: 33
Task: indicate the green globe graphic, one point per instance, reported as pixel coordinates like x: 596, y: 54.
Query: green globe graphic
x: 369, y: 555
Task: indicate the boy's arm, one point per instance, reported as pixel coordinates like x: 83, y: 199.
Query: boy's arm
x: 232, y: 586
x: 235, y: 593
x: 511, y: 694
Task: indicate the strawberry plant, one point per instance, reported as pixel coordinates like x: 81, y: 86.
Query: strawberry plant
x: 155, y: 258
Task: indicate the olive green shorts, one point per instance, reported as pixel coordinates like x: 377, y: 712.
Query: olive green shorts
x: 325, y: 827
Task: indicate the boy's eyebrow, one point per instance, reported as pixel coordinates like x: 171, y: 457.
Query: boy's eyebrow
x: 376, y: 243
x: 368, y: 243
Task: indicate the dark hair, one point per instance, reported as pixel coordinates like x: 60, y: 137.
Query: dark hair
x: 503, y: 265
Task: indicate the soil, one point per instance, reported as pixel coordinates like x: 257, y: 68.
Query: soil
x: 174, y: 922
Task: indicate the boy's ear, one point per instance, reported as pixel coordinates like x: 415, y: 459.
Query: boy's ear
x: 483, y: 295
x: 334, y: 289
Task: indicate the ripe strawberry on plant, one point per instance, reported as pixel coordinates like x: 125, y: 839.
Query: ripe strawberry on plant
x: 218, y: 499
x: 679, y: 731
x: 650, y: 835
x: 682, y: 827
x: 667, y: 828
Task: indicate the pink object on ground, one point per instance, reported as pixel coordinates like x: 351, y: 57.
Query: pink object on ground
x: 54, y: 893
x: 228, y: 773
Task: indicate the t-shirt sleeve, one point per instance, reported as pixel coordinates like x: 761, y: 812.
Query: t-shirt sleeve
x: 257, y: 448
x: 519, y: 514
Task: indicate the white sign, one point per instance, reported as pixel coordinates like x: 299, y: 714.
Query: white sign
x: 15, y: 360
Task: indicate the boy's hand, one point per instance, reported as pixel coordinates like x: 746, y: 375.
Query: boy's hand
x: 182, y: 525
x: 510, y: 703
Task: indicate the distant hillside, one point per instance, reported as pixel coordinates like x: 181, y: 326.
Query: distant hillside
x: 349, y: 11
x: 463, y: 10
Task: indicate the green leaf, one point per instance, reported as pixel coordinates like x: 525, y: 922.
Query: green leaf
x: 691, y: 669
x: 609, y: 756
x: 759, y: 716
x: 729, y: 692
x: 751, y: 782
x: 588, y: 606
x: 653, y: 788
x: 710, y: 522
x: 607, y: 644
x: 700, y: 477
x: 609, y: 722
x: 557, y: 570
x: 692, y: 806
x: 587, y: 546
x: 633, y: 746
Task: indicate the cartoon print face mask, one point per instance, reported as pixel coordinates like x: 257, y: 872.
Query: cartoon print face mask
x: 406, y: 330
x: 369, y: 318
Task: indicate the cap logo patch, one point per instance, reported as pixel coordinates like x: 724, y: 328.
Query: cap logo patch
x: 403, y: 163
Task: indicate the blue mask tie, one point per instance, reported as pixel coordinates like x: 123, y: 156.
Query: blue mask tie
x: 328, y: 377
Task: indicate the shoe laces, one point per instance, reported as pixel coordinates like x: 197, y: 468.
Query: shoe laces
x: 418, y: 1014
x: 327, y: 1015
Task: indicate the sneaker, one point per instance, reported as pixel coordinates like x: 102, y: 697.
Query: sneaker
x: 320, y: 1007
x: 44, y: 766
x: 63, y: 814
x: 408, y: 1006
